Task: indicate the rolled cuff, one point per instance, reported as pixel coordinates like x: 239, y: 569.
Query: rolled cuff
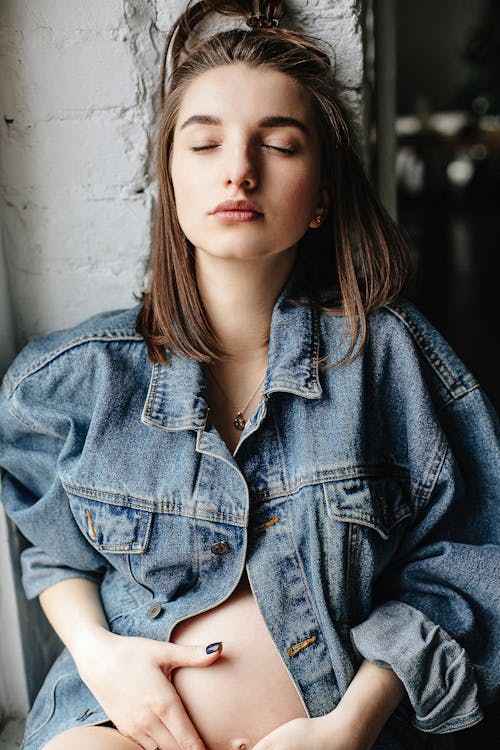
x: 434, y: 668
x: 39, y: 572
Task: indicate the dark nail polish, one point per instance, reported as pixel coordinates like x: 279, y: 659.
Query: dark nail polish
x: 213, y: 647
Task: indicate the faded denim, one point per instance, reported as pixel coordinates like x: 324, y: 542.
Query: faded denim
x: 362, y: 501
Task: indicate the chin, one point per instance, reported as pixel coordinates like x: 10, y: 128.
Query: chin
x: 242, y: 253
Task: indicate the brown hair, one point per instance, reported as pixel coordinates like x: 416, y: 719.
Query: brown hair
x: 357, y: 258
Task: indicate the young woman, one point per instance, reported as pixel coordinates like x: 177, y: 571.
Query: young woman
x: 262, y: 504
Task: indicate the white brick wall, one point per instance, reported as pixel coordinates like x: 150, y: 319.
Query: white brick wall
x: 76, y: 173
x: 76, y: 189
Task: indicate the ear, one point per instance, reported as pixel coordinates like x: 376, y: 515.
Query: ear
x: 321, y: 209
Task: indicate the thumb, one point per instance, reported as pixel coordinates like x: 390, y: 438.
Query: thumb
x: 193, y: 656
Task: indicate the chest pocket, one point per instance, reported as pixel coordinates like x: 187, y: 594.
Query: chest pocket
x: 112, y: 528
x: 157, y: 550
x: 368, y: 518
x: 378, y: 504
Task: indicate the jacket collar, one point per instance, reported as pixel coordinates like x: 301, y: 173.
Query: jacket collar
x: 176, y: 397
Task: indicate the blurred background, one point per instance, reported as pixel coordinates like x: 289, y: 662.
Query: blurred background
x: 448, y: 188
x: 448, y: 169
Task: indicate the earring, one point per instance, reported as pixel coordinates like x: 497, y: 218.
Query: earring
x: 317, y: 219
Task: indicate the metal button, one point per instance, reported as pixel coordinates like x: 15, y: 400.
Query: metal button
x: 220, y: 548
x: 154, y: 610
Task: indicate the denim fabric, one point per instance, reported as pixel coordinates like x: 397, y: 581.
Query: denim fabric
x: 360, y: 499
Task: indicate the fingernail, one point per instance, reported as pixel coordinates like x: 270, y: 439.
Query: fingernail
x: 213, y: 647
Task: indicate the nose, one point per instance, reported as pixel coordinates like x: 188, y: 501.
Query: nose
x: 242, y: 169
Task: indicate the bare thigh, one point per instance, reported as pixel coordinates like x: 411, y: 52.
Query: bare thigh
x: 98, y: 738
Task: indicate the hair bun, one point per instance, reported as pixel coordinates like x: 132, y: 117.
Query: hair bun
x: 259, y: 15
x: 265, y: 15
x: 258, y: 22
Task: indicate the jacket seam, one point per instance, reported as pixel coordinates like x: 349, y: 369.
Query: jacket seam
x: 298, y: 559
x: 449, y: 379
x: 150, y: 403
x: 452, y: 401
x: 428, y: 485
x: 353, y: 472
x: 42, y: 362
x: 33, y: 426
x: 150, y: 506
x: 314, y: 350
x: 438, y: 463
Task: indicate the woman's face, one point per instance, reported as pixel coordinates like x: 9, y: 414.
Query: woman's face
x: 246, y: 134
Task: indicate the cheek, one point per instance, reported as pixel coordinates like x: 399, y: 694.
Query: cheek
x: 301, y: 185
x: 301, y: 195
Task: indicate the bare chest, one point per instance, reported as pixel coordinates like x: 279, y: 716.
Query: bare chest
x: 232, y: 404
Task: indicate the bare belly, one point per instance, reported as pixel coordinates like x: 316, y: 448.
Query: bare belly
x: 247, y: 692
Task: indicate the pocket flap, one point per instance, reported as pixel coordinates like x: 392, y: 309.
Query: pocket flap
x: 112, y: 527
x: 377, y: 503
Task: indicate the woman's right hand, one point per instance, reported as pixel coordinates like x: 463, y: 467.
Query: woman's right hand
x: 130, y: 677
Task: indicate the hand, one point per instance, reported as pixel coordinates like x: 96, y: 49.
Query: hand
x: 130, y: 677
x: 320, y: 733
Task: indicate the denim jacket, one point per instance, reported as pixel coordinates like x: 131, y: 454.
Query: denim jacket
x: 361, y: 500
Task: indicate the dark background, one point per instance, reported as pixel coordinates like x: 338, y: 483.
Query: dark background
x: 448, y: 167
x: 448, y: 73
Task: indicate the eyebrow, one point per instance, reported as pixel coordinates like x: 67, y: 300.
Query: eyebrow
x: 273, y: 121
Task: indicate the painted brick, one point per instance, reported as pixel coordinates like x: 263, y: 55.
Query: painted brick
x: 90, y: 223
x: 61, y: 297
x: 61, y: 15
x: 76, y: 75
x: 57, y: 153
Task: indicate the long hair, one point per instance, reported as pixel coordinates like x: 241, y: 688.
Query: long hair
x: 356, y: 261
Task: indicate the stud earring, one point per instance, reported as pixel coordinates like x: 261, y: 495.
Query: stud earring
x: 317, y: 219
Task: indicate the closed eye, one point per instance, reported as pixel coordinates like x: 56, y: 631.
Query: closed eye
x: 204, y: 148
x: 281, y: 149
x: 211, y: 146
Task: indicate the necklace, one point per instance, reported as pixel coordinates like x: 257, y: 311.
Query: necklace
x: 239, y: 420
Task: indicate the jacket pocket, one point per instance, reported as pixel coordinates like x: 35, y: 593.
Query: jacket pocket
x: 380, y: 503
x: 112, y: 528
x: 157, y: 550
x: 368, y: 518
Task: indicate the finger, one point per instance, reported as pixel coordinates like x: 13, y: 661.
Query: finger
x: 147, y: 742
x: 180, y: 726
x: 160, y: 738
x: 175, y: 655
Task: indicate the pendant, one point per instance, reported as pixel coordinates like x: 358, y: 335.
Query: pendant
x: 239, y: 421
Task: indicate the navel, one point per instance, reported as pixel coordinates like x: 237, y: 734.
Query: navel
x: 240, y: 744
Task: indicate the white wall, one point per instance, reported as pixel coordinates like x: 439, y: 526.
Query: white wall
x: 76, y: 190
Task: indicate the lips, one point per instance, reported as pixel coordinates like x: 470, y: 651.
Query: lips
x: 237, y: 207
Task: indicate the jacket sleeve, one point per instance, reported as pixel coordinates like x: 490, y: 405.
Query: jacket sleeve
x: 437, y: 620
x: 33, y: 496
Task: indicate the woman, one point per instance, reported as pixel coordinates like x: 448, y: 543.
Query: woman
x: 271, y: 456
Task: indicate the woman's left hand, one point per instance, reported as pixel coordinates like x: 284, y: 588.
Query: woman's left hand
x: 354, y: 724
x: 320, y: 733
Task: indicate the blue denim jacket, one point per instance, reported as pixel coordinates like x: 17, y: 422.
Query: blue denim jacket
x: 360, y: 499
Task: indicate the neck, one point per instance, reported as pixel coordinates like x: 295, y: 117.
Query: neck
x: 239, y: 296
